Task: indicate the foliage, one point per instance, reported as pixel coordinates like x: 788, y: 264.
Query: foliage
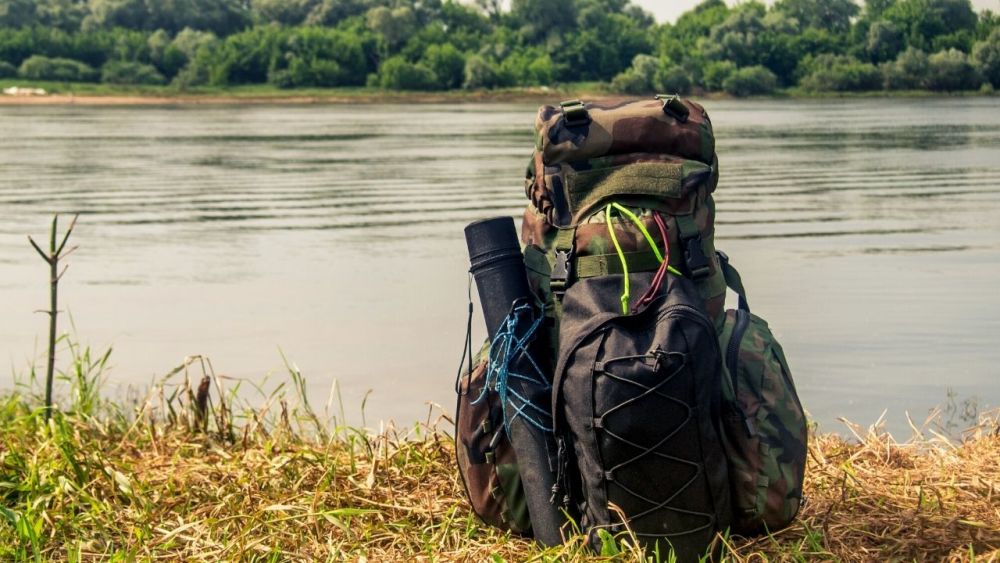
x: 908, y: 72
x: 838, y: 73
x: 123, y: 72
x: 986, y: 55
x: 399, y: 74
x: 7, y: 70
x: 750, y: 81
x: 450, y: 44
x: 66, y: 70
x: 951, y: 70
x: 148, y: 480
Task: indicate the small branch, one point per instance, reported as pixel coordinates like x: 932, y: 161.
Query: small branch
x: 40, y: 251
x: 69, y: 231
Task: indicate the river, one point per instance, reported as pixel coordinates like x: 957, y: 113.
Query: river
x: 867, y: 232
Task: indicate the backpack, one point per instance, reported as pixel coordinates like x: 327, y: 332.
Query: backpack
x: 619, y: 251
x: 611, y: 185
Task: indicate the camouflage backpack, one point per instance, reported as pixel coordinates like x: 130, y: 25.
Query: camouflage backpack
x: 655, y: 161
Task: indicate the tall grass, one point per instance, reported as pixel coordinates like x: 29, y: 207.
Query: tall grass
x: 190, y: 471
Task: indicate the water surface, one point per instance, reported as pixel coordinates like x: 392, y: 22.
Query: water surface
x: 867, y: 231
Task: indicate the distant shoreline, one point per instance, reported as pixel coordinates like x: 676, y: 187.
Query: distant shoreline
x: 103, y: 95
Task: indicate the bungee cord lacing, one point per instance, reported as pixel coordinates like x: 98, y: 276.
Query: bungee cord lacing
x: 508, y: 347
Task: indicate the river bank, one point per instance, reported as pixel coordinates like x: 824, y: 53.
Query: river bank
x: 57, y: 93
x: 181, y: 474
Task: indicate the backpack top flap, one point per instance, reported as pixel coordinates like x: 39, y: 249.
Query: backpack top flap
x: 576, y: 131
x: 655, y: 149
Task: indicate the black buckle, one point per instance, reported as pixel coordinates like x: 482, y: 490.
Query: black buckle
x: 695, y: 259
x: 574, y: 113
x: 560, y: 272
x: 674, y: 107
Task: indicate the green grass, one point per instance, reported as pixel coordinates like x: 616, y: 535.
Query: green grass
x: 190, y: 472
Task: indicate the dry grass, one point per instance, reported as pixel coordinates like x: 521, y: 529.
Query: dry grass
x: 176, y: 478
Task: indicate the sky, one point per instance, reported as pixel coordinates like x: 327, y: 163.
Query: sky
x: 668, y: 10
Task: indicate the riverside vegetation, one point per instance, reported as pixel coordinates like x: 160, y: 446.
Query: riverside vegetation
x: 196, y: 469
x: 408, y: 45
x: 191, y: 472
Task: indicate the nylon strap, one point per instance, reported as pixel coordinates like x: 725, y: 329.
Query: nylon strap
x: 687, y: 227
x: 733, y: 280
x: 596, y: 265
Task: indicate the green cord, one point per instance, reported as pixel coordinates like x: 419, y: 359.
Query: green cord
x: 621, y: 254
x: 642, y: 228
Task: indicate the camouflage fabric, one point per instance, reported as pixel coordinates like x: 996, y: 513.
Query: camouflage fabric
x: 639, y: 155
x: 486, y: 460
x: 632, y: 148
x: 764, y: 427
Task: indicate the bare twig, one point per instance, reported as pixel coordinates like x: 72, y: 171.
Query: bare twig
x: 55, y: 274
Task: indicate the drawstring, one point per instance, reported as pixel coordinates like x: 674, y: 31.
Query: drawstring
x: 664, y: 261
x: 466, y: 350
x: 665, y: 266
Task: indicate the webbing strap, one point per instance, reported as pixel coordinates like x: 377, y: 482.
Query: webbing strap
x: 596, y: 265
x: 733, y: 280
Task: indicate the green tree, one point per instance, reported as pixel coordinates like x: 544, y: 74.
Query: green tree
x: 537, y: 19
x: 908, y: 71
x: 831, y: 15
x: 839, y: 73
x: 124, y: 72
x: 921, y: 21
x: 951, y: 70
x: 284, y: 12
x: 986, y: 55
x: 38, y: 67
x: 716, y: 73
x: 17, y: 13
x: 751, y: 81
x: 396, y: 73
x: 447, y: 63
x: 637, y: 79
x: 482, y: 73
x: 394, y: 26
x: 672, y: 79
x: 884, y: 42
x: 7, y: 70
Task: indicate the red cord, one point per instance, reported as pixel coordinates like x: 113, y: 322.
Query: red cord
x: 661, y: 272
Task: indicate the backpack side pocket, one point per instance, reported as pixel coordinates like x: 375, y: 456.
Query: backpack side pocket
x: 764, y: 426
x: 485, y: 457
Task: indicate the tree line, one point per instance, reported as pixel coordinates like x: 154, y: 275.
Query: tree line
x: 747, y: 49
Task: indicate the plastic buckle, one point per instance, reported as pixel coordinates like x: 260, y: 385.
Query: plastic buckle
x: 574, y: 113
x: 560, y: 272
x: 674, y: 107
x: 695, y: 259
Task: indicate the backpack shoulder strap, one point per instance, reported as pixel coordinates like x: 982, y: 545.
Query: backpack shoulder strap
x: 733, y: 279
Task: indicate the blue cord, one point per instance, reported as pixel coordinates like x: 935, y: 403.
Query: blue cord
x: 505, y: 348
